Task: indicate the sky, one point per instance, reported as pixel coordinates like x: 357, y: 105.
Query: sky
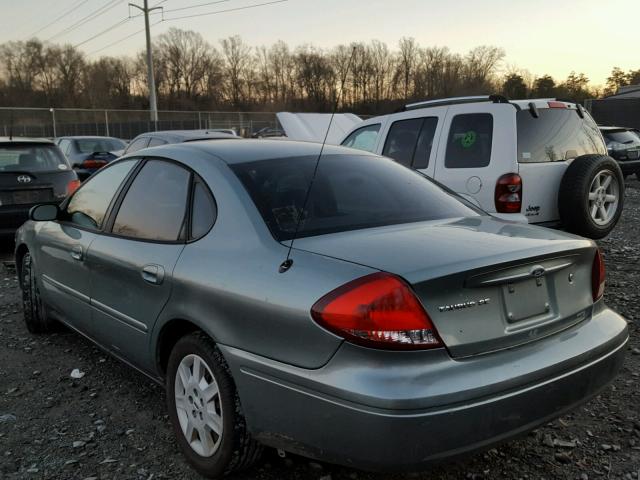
x: 543, y: 36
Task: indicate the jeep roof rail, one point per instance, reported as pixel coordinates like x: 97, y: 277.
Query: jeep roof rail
x: 457, y: 101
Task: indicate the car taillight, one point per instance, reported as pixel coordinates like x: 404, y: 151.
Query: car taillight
x: 508, y: 194
x: 597, y: 276
x: 378, y: 310
x: 92, y: 163
x: 72, y: 186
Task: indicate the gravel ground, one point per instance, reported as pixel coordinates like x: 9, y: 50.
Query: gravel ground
x: 112, y: 424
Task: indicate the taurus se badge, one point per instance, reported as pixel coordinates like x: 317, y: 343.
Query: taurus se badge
x: 463, y: 305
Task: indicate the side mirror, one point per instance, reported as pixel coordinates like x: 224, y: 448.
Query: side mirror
x: 44, y: 213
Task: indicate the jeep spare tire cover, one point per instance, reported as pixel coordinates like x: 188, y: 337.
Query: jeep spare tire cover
x: 591, y: 196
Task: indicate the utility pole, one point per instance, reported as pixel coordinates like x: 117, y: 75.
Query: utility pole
x: 153, y: 104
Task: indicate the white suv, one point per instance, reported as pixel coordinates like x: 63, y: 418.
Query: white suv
x: 539, y: 161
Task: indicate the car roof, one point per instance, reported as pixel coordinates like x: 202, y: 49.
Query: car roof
x: 44, y: 141
x: 184, y: 135
x: 87, y: 137
x: 249, y: 150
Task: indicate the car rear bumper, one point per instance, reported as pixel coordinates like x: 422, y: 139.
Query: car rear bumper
x: 629, y: 166
x: 400, y: 411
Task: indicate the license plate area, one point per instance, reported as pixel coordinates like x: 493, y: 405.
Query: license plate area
x: 25, y: 197
x: 526, y: 299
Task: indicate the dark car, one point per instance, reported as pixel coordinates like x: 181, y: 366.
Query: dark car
x: 32, y: 171
x: 155, y: 139
x: 623, y: 144
x: 88, y: 154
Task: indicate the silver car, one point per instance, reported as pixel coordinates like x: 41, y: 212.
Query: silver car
x: 407, y: 325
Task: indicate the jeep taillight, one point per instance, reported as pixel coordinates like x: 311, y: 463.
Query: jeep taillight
x: 508, y: 194
x: 379, y: 311
x: 597, y: 276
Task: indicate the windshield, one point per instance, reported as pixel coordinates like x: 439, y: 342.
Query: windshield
x: 558, y: 134
x: 621, y: 136
x: 31, y: 157
x: 348, y: 193
x: 91, y: 145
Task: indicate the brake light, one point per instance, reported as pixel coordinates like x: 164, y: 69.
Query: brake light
x: 598, y: 275
x: 508, y: 194
x: 378, y: 310
x: 553, y: 104
x: 72, y: 186
x: 92, y: 163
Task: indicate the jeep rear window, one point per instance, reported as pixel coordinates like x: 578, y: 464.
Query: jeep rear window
x: 469, y: 142
x: 350, y: 192
x: 31, y: 157
x: 558, y: 134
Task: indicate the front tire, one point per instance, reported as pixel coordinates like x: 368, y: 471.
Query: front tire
x: 591, y: 196
x: 205, y: 410
x: 35, y: 316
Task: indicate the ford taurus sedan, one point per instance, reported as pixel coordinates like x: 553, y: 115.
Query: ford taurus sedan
x: 405, y: 327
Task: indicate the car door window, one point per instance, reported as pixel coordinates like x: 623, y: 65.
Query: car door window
x: 154, y: 142
x: 401, y: 140
x: 156, y: 213
x: 203, y: 211
x: 89, y: 204
x: 363, y: 138
x: 425, y: 142
x: 469, y: 141
x: 137, y: 144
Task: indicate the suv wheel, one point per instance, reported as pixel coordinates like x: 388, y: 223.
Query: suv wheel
x: 33, y: 309
x: 591, y: 196
x: 205, y: 410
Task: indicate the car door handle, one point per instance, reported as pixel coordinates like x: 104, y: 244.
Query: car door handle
x: 76, y: 252
x: 153, y: 274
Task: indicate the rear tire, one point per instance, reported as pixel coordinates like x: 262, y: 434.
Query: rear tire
x: 591, y: 196
x: 196, y: 369
x: 35, y: 316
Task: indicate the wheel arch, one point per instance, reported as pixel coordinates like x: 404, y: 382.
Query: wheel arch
x: 168, y: 335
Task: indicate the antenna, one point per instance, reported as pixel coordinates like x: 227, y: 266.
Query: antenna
x: 11, y: 125
x: 286, y: 265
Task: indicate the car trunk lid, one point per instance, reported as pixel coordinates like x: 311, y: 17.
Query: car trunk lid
x: 486, y: 284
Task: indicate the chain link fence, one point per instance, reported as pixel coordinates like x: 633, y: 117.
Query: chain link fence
x: 125, y: 124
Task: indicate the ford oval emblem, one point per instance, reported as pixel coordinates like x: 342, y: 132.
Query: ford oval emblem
x: 24, y: 179
x: 538, y: 271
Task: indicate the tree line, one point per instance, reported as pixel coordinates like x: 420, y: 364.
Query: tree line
x: 191, y: 73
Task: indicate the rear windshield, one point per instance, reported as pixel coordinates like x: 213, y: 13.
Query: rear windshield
x: 91, y: 145
x: 558, y: 134
x: 621, y: 136
x: 31, y: 157
x: 349, y: 192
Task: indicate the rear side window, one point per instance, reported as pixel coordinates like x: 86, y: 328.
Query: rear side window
x: 203, y: 211
x: 138, y: 144
x: 363, y: 138
x: 409, y: 142
x: 557, y: 134
x: 155, y: 205
x: 89, y: 204
x: 469, y: 142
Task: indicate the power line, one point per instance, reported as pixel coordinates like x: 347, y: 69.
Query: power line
x: 65, y: 13
x: 121, y: 39
x: 246, y: 7
x: 108, y: 29
x: 87, y: 18
x: 195, y: 6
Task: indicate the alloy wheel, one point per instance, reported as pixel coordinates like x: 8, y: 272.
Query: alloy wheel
x: 198, y: 405
x: 604, y: 197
